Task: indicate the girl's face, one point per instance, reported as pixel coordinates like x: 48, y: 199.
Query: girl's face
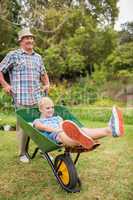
x: 48, y: 109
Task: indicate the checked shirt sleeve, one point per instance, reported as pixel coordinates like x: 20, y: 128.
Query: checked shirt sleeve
x: 42, y: 67
x: 6, y: 63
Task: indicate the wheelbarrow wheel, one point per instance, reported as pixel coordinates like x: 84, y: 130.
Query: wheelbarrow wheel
x: 66, y: 171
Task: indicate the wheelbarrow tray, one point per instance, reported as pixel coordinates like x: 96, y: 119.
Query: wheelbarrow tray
x: 26, y: 116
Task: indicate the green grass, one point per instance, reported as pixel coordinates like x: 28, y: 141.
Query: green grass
x: 106, y: 173
x: 102, y: 114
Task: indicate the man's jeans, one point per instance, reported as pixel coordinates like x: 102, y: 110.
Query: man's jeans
x: 22, y: 137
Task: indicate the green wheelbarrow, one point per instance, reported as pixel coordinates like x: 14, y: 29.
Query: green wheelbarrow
x: 63, y: 166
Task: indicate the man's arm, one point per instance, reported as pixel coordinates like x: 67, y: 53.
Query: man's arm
x: 45, y: 82
x: 5, y: 85
x: 5, y: 64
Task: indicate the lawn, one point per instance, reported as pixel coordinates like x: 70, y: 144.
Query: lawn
x: 106, y: 173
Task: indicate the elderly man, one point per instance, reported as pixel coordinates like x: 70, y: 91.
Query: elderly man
x: 26, y: 72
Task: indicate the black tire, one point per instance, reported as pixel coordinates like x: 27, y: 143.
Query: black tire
x: 66, y: 171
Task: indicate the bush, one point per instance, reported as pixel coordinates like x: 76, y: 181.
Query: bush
x: 7, y: 120
x: 6, y: 102
x: 107, y: 102
x: 81, y: 92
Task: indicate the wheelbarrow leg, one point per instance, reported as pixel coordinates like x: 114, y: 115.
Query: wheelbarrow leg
x: 27, y: 144
x: 27, y: 150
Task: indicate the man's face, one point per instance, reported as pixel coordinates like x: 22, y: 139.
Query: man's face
x: 27, y: 42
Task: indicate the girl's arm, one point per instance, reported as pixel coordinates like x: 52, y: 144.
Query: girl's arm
x: 60, y: 125
x: 43, y: 127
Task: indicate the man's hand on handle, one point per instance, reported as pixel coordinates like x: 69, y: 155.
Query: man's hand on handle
x: 7, y: 89
x: 5, y: 85
x: 46, y: 88
x: 46, y: 83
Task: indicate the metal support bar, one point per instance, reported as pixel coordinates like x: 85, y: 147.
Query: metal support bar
x: 57, y: 177
x: 76, y: 159
x: 46, y: 156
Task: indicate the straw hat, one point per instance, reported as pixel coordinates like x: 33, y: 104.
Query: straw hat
x: 23, y: 33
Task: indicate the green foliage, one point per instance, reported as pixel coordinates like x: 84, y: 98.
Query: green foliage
x: 74, y: 64
x: 101, y: 11
x: 120, y: 62
x: 86, y: 45
x: 7, y: 38
x: 107, y: 102
x: 5, y: 102
x: 99, y: 76
x: 74, y: 40
x: 69, y: 36
x: 9, y: 10
x: 82, y: 92
x: 7, y: 119
x: 126, y: 34
x: 54, y: 62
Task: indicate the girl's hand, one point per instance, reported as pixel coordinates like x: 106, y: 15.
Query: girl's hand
x: 58, y: 130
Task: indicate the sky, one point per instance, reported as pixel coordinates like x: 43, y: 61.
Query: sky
x: 125, y: 12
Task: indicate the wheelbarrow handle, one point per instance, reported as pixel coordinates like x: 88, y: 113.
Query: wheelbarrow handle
x: 44, y: 94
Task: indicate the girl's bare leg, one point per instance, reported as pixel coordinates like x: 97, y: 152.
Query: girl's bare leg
x: 62, y: 137
x: 97, y: 133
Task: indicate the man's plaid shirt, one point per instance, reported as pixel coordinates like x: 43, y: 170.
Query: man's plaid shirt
x: 25, y: 73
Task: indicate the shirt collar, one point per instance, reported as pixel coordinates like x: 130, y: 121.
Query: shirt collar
x: 22, y: 51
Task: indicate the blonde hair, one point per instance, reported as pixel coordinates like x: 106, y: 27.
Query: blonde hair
x: 43, y: 101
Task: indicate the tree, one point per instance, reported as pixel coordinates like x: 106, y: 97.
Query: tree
x: 70, y: 35
x: 120, y: 63
x: 9, y: 11
x: 104, y: 12
x: 126, y: 34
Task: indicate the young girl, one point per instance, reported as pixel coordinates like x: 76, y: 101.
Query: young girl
x: 68, y: 133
